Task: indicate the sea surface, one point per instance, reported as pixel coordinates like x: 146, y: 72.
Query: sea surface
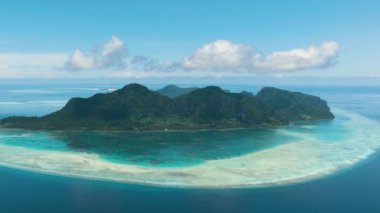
x: 354, y: 189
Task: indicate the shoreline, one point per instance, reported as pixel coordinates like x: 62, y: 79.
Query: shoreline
x: 264, y: 126
x: 260, y: 127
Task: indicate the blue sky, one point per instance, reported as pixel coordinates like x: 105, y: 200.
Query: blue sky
x: 63, y: 39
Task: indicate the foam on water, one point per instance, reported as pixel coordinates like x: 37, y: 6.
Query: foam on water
x: 305, y: 159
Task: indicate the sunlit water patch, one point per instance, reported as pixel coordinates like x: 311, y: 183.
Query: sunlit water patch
x: 239, y: 158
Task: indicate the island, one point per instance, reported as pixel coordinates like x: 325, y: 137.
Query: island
x: 137, y: 108
x: 173, y: 91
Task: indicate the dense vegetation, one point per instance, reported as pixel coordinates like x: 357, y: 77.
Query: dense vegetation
x: 295, y: 106
x: 135, y: 107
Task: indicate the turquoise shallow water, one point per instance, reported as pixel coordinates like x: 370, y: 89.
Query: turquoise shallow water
x: 354, y: 190
x: 173, y: 149
x: 156, y: 149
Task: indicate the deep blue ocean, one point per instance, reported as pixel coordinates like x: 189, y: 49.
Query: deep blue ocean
x: 354, y: 190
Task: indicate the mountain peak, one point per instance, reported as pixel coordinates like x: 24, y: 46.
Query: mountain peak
x: 171, y: 86
x: 213, y: 88
x: 134, y: 86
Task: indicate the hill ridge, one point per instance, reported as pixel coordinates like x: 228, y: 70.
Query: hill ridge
x: 136, y: 108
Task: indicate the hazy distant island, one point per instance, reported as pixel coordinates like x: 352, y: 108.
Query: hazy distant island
x: 173, y: 91
x: 136, y: 108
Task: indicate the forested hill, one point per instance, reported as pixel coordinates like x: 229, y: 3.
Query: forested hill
x: 136, y: 108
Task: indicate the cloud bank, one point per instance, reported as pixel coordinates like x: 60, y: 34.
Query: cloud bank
x: 112, y: 55
x: 223, y: 55
x: 220, y: 58
x: 30, y: 65
x: 312, y: 57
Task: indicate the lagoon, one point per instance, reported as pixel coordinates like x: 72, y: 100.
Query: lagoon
x: 333, y: 150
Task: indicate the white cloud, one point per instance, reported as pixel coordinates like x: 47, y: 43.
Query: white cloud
x: 298, y: 59
x: 113, y: 46
x: 223, y: 55
x: 220, y: 55
x: 81, y: 61
x: 112, y: 55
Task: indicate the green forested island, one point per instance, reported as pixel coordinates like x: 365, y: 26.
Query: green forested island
x: 136, y: 108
